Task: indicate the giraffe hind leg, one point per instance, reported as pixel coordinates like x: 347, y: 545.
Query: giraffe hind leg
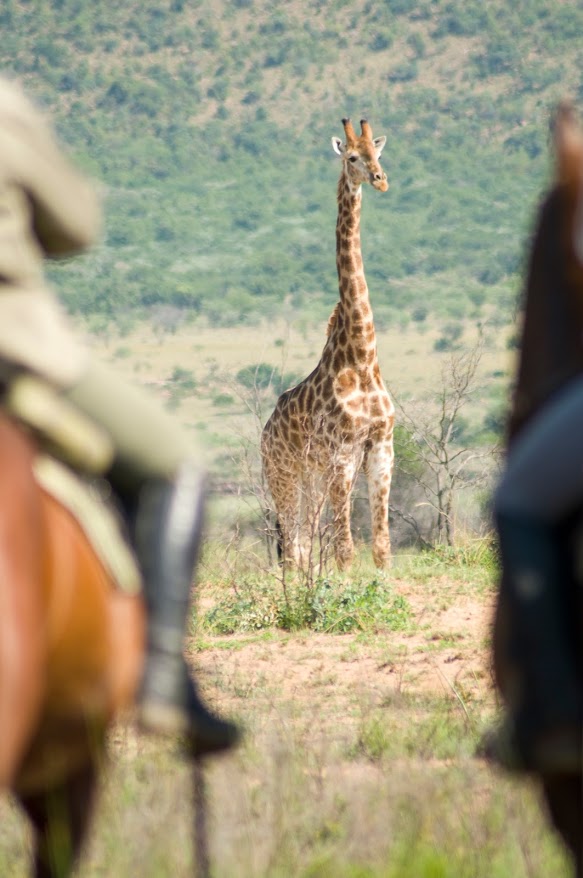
x: 279, y: 542
x: 283, y: 489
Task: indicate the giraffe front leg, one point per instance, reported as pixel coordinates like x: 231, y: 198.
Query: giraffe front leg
x: 379, y: 470
x: 340, y: 491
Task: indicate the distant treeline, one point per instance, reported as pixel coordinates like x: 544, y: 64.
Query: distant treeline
x: 208, y: 126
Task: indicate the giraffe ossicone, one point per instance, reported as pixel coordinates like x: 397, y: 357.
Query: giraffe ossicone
x: 340, y: 418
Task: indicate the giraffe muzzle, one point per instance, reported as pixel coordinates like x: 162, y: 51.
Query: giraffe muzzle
x: 380, y: 182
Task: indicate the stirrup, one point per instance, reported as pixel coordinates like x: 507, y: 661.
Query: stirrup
x: 174, y: 708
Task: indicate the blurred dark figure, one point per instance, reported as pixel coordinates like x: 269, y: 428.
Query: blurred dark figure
x: 49, y: 381
x: 538, y: 632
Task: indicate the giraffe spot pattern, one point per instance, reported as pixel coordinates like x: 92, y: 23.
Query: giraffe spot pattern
x: 341, y: 415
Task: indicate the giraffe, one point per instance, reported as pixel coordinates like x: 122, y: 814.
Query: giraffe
x: 340, y: 418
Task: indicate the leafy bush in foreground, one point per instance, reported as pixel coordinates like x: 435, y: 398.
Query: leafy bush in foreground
x: 332, y: 605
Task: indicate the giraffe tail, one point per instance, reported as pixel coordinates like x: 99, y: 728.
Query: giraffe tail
x: 279, y: 542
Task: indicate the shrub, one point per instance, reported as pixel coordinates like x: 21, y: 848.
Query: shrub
x: 404, y: 72
x: 381, y: 41
x: 262, y: 376
x: 223, y: 399
x: 416, y: 42
x: 500, y: 55
x: 332, y: 606
x: 451, y: 334
x: 259, y: 376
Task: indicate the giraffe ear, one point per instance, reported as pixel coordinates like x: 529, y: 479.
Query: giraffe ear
x: 379, y: 145
x: 337, y: 146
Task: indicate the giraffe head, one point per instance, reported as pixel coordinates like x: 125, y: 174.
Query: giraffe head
x: 360, y: 156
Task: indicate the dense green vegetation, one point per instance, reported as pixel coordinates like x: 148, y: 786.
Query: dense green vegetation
x: 209, y: 125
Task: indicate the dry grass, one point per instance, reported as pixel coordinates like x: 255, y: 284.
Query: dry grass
x: 357, y: 759
x: 358, y: 755
x: 410, y: 366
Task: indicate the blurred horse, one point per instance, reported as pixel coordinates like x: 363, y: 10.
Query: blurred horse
x: 71, y: 655
x: 551, y: 354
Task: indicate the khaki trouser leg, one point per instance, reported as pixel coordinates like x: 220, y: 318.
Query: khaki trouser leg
x: 155, y: 466
x: 148, y: 442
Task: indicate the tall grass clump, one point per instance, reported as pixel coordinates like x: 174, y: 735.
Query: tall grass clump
x: 472, y: 562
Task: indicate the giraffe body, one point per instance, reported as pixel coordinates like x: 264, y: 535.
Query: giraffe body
x: 340, y: 418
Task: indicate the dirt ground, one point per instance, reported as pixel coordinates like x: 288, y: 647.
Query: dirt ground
x: 446, y: 653
x: 358, y: 749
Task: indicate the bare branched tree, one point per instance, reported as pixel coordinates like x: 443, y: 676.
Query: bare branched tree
x: 431, y: 453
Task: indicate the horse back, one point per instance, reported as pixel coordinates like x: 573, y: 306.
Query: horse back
x: 80, y: 638
x: 92, y: 641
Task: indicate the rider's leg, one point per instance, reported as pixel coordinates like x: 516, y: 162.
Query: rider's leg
x: 543, y: 727
x: 155, y: 475
x: 542, y: 484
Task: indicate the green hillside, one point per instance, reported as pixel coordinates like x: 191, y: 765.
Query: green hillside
x: 209, y: 125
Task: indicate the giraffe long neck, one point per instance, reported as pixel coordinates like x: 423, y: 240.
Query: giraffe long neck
x: 352, y: 335
x: 351, y: 279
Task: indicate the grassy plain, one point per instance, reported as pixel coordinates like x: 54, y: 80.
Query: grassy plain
x: 194, y: 371
x: 362, y: 696
x: 358, y: 757
x: 357, y: 761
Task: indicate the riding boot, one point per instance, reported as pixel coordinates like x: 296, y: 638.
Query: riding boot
x: 543, y: 728
x: 167, y: 539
